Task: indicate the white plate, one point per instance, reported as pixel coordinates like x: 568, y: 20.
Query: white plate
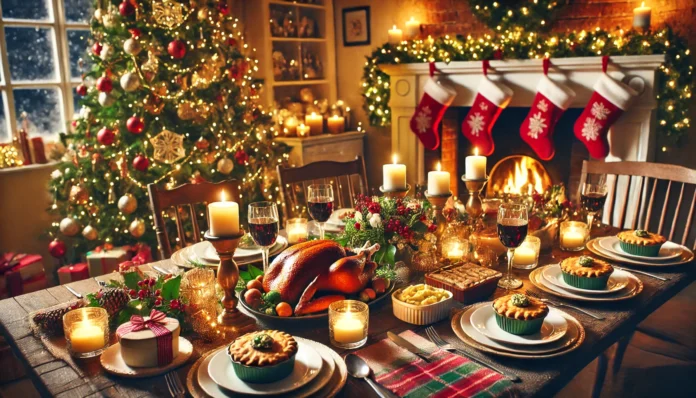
x: 183, y: 257
x: 594, y: 247
x: 205, y: 250
x: 308, y: 364
x: 553, y: 328
x: 623, y: 293
x: 335, y: 217
x: 570, y: 337
x: 617, y: 281
x: 668, y: 251
x: 112, y: 361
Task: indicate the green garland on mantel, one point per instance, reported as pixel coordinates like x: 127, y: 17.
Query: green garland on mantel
x: 513, y: 15
x: 674, y: 85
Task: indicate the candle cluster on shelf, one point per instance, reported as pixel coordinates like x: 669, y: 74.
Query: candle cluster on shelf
x: 306, y: 116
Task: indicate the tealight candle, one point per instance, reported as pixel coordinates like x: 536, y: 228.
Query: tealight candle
x: 315, y: 123
x: 335, y: 124
x: 641, y: 16
x: 527, y: 255
x: 297, y: 230
x: 475, y: 166
x: 394, y: 176
x: 573, y: 235
x: 86, y: 331
x: 302, y: 130
x: 395, y: 35
x: 224, y: 217
x: 456, y: 251
x: 438, y: 181
x: 348, y: 323
x: 291, y: 126
x: 412, y: 29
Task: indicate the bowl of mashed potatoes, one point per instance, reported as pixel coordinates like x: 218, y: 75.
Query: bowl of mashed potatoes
x: 421, y: 304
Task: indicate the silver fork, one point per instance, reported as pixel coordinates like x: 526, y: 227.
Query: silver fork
x: 559, y: 304
x: 100, y: 283
x: 176, y: 389
x: 435, y: 338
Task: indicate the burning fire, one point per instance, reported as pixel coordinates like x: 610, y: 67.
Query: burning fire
x: 523, y: 179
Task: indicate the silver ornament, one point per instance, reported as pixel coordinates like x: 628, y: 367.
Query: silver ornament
x: 109, y: 20
x: 69, y: 227
x: 127, y: 204
x: 137, y: 228
x: 225, y: 166
x: 130, y: 82
x: 106, y: 99
x: 132, y: 46
x: 89, y: 232
x: 98, y: 14
x: 106, y: 52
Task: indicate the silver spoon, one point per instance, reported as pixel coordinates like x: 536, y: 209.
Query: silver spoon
x: 361, y: 370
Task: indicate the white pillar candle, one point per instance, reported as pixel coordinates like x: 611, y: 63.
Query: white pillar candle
x: 395, y: 35
x: 348, y: 329
x: 224, y: 217
x: 86, y: 337
x: 438, y: 181
x: 291, y: 126
x: 335, y: 124
x: 394, y: 176
x: 302, y: 130
x: 412, y: 29
x: 524, y: 256
x: 315, y: 123
x: 641, y: 16
x: 475, y: 166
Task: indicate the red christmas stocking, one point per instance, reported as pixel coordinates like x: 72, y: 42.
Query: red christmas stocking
x: 551, y: 100
x: 608, y: 101
x: 490, y: 100
x: 426, y: 120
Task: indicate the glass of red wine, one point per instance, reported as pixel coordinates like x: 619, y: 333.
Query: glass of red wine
x: 592, y: 199
x: 320, y: 203
x: 512, y: 231
x: 263, y: 227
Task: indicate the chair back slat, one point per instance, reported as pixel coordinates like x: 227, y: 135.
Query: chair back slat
x: 650, y: 205
x: 664, y: 208
x: 182, y: 199
x: 624, y: 203
x: 676, y: 211
x: 638, y: 207
x: 689, y: 219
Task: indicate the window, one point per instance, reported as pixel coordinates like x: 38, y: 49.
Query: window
x: 41, y: 43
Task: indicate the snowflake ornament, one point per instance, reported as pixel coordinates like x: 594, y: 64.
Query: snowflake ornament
x: 168, y: 13
x: 423, y: 119
x: 537, y: 124
x: 483, y: 106
x: 169, y: 146
x: 591, y: 129
x: 476, y: 122
x: 599, y: 111
x: 543, y: 106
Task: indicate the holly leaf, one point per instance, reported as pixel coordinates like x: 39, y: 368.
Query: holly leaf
x: 170, y: 288
x: 254, y: 271
x: 245, y: 276
x: 389, y: 255
x: 131, y: 279
x: 379, y: 256
x: 125, y: 314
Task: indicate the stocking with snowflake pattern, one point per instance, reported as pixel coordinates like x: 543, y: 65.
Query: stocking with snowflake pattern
x: 608, y: 101
x: 426, y: 120
x: 491, y: 98
x: 551, y: 100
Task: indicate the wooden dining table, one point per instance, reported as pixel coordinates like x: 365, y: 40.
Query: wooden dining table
x: 53, y: 376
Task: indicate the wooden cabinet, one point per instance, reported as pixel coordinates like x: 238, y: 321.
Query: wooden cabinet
x: 340, y: 147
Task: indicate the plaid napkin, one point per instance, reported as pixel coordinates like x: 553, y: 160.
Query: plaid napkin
x: 448, y: 375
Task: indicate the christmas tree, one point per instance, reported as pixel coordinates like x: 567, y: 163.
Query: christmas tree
x: 170, y: 98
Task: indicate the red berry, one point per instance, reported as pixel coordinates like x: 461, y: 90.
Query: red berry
x: 105, y: 136
x: 177, y: 49
x: 159, y: 298
x: 126, y: 8
x: 142, y: 294
x: 104, y: 84
x: 158, y: 292
x: 135, y: 125
x: 132, y: 292
x: 81, y: 90
x: 152, y: 281
x: 141, y: 163
x: 158, y: 302
x: 357, y: 226
x: 96, y: 48
x: 135, y: 32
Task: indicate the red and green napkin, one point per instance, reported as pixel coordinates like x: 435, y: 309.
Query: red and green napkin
x: 447, y: 375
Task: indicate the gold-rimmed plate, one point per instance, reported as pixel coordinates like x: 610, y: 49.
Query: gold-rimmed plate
x: 686, y: 256
x: 536, y: 277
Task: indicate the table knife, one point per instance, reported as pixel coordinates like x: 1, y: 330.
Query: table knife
x: 403, y: 343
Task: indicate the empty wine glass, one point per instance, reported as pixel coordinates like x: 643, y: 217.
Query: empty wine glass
x: 512, y: 231
x: 592, y: 199
x: 320, y: 203
x: 263, y: 227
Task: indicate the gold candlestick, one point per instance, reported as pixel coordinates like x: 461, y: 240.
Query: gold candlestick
x: 474, y: 207
x: 227, y: 277
x: 395, y: 194
x: 439, y: 202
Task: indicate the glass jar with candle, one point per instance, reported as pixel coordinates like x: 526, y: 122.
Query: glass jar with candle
x: 297, y: 230
x: 527, y: 255
x: 198, y: 289
x: 454, y: 248
x: 348, y: 323
x: 573, y: 235
x: 86, y: 331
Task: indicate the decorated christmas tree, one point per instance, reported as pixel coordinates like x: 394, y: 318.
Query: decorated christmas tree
x: 170, y: 98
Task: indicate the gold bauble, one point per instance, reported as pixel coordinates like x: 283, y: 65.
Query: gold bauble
x: 69, y: 227
x: 132, y: 46
x: 127, y: 204
x: 186, y: 110
x: 78, y: 195
x: 225, y: 166
x: 160, y: 89
x: 89, y: 232
x: 137, y: 228
x: 202, y: 14
x: 307, y: 95
x: 130, y: 81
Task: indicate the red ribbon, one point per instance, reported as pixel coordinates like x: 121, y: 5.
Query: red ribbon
x: 605, y: 63
x: 485, y: 64
x: 545, y: 64
x: 155, y: 323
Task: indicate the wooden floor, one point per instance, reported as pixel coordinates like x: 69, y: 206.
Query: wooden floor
x: 660, y: 361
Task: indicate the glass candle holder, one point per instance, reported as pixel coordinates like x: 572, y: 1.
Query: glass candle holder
x: 348, y: 323
x: 483, y: 256
x: 573, y: 235
x: 527, y: 255
x: 455, y: 249
x: 86, y: 331
x: 297, y: 230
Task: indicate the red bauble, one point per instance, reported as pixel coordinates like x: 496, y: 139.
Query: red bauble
x: 135, y: 32
x: 104, y: 84
x: 241, y: 157
x: 232, y: 42
x: 106, y: 136
x: 57, y: 248
x: 177, y: 49
x: 223, y: 7
x: 81, y: 90
x: 126, y: 8
x: 135, y: 125
x: 141, y: 163
x: 96, y: 48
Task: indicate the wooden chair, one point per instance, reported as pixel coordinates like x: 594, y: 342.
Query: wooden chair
x: 640, y: 196
x: 343, y: 175
x: 185, y: 199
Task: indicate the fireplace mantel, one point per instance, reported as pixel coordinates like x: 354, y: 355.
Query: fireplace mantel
x: 632, y: 136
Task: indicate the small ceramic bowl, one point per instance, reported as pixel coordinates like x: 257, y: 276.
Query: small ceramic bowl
x: 421, y: 314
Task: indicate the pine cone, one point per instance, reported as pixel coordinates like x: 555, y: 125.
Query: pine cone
x: 52, y: 321
x: 112, y: 300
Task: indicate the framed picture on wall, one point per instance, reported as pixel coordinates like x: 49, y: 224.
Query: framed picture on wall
x: 356, y: 26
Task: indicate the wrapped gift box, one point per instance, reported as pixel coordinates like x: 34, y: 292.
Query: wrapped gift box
x: 72, y: 273
x: 105, y: 261
x: 16, y: 270
x: 16, y: 286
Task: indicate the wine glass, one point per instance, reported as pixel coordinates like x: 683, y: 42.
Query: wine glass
x: 512, y: 231
x: 592, y: 199
x: 320, y: 198
x: 263, y: 227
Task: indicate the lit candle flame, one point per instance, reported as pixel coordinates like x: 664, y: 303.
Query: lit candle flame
x: 394, y: 27
x: 394, y: 158
x: 439, y: 166
x: 413, y: 19
x: 642, y: 4
x: 475, y: 151
x: 223, y: 196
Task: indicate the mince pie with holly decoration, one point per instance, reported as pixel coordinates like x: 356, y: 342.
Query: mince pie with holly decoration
x: 641, y: 242
x: 520, y: 314
x: 263, y: 357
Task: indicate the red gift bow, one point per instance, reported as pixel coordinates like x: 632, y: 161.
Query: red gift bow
x: 105, y: 247
x: 164, y: 337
